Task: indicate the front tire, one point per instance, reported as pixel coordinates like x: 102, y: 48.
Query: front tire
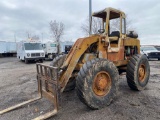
x: 26, y: 61
x: 138, y: 72
x: 97, y: 83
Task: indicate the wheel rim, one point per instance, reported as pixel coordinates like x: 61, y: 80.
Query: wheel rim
x: 142, y: 73
x: 102, y: 83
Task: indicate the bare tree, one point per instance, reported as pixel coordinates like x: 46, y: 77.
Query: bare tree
x: 115, y: 24
x: 57, y: 30
x: 96, y: 25
x: 129, y: 23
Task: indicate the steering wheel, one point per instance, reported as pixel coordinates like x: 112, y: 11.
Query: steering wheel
x: 101, y: 30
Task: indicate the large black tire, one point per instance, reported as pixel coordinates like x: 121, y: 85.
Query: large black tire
x: 58, y: 62
x: 86, y: 83
x: 138, y: 72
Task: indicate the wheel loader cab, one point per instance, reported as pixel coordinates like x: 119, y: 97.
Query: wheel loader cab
x: 113, y: 22
x: 114, y: 25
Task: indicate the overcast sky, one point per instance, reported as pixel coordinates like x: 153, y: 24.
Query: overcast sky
x: 20, y: 16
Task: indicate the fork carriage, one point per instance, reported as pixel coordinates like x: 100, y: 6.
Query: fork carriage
x: 48, y: 87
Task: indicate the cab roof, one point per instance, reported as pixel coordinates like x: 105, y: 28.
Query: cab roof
x: 114, y: 13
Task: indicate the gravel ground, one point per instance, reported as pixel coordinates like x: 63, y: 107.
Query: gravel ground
x: 18, y: 83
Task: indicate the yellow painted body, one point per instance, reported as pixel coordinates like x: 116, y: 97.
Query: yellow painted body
x: 99, y: 46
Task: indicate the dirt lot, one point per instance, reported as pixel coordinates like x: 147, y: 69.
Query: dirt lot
x: 18, y: 83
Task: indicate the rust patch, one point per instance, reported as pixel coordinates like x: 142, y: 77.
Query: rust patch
x: 102, y: 83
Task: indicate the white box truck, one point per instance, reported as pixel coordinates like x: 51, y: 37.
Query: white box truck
x: 11, y: 48
x: 50, y: 49
x: 3, y: 48
x: 30, y: 50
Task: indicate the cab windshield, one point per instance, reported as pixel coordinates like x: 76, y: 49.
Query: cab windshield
x: 114, y: 20
x: 33, y: 46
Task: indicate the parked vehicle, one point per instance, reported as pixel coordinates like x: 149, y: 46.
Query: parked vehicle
x: 11, y: 48
x: 150, y: 52
x: 158, y: 48
x: 3, y: 48
x: 7, y: 48
x: 65, y: 47
x: 50, y: 49
x: 30, y: 50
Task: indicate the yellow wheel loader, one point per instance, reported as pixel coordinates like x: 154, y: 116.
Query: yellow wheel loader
x: 93, y: 65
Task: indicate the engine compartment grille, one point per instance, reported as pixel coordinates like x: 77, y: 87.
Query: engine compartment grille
x: 35, y: 54
x: 155, y: 54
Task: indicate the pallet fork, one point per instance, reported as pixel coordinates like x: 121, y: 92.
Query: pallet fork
x: 48, y: 87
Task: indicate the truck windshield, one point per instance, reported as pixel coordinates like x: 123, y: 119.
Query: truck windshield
x: 148, y: 48
x: 33, y: 46
x: 53, y: 45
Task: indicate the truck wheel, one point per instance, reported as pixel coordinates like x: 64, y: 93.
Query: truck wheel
x: 26, y: 61
x: 58, y: 62
x: 97, y: 83
x: 41, y: 60
x: 138, y: 72
x: 158, y: 58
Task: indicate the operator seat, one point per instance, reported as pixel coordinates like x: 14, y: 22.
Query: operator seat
x: 114, y: 36
x: 114, y: 41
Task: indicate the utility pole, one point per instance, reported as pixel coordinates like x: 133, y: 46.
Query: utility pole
x: 15, y: 37
x: 42, y: 37
x: 90, y: 17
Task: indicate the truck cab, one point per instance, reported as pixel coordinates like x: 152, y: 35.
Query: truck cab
x: 30, y: 50
x: 50, y: 49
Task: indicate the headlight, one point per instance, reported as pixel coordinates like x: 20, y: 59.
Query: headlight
x: 28, y: 54
x: 42, y: 54
x: 147, y: 54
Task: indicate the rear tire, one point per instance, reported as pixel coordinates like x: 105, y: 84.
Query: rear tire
x: 97, y: 83
x: 138, y: 72
x: 58, y: 62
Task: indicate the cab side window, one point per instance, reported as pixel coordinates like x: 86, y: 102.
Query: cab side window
x: 123, y: 26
